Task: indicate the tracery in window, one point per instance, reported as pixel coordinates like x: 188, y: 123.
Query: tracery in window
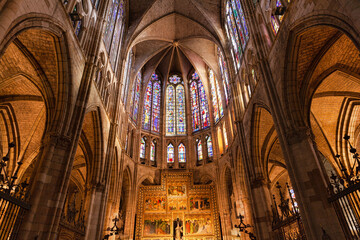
x: 142, y: 148
x: 151, y: 112
x: 152, y: 151
x: 114, y: 29
x: 76, y: 20
x: 170, y: 153
x: 209, y: 146
x: 135, y: 97
x: 216, y: 97
x: 236, y: 29
x: 182, y: 153
x: 224, y: 75
x: 199, y: 150
x: 199, y: 104
x: 175, y: 107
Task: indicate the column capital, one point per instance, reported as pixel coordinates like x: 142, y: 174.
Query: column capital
x: 58, y: 140
x: 298, y: 134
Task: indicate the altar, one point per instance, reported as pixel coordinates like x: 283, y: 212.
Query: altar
x: 177, y: 210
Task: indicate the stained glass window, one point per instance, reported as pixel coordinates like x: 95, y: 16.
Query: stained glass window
x: 274, y: 24
x: 135, y: 97
x: 175, y: 107
x: 209, y: 147
x: 113, y: 29
x: 224, y: 75
x: 170, y: 110
x: 151, y: 111
x: 236, y: 29
x: 180, y: 107
x: 253, y: 74
x: 199, y: 105
x: 216, y: 96
x: 147, y: 107
x: 155, y: 121
x: 126, y: 79
x: 170, y: 153
x: 152, y: 151
x: 142, y: 148
x: 225, y: 138
x: 199, y: 151
x: 182, y: 153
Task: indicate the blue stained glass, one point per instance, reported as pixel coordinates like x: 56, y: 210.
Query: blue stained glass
x: 194, y: 106
x: 156, y: 107
x: 117, y: 34
x: 238, y: 24
x: 209, y: 147
x: 136, y: 97
x: 175, y: 79
x: 204, y: 107
x: 180, y: 110
x: 243, y: 21
x: 224, y: 75
x: 170, y: 110
x: 182, y: 153
x: 147, y: 107
x: 142, y: 148
x: 213, y: 94
x: 221, y: 109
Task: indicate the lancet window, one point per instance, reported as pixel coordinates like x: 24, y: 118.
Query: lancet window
x: 224, y: 75
x: 218, y: 110
x: 236, y: 29
x: 175, y: 107
x: 182, y: 153
x: 151, y: 111
x: 142, y: 148
x: 170, y: 153
x: 114, y: 29
x: 135, y: 97
x: 199, y: 104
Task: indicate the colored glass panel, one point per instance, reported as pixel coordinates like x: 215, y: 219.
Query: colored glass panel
x: 231, y: 29
x: 147, y: 107
x: 225, y: 138
x: 155, y: 122
x: 204, y: 107
x: 124, y: 92
x: 194, y: 106
x: 274, y: 24
x: 238, y: 24
x: 152, y: 151
x: 109, y: 31
x: 170, y: 153
x: 182, y: 153
x: 199, y: 151
x: 209, y: 147
x: 242, y: 17
x: 117, y: 35
x: 136, y: 97
x: 175, y: 79
x: 180, y: 110
x: 221, y: 109
x: 170, y: 110
x: 224, y: 75
x: 142, y: 148
x: 213, y: 94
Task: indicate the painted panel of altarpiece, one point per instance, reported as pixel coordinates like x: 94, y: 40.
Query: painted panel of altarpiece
x: 177, y: 210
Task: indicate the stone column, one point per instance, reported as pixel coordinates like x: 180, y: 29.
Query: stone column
x: 262, y: 208
x: 310, y: 186
x: 48, y: 189
x: 96, y: 207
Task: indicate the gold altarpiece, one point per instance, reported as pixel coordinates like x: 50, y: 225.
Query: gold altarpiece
x: 177, y: 210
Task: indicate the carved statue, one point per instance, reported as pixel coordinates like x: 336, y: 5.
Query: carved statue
x: 178, y: 231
